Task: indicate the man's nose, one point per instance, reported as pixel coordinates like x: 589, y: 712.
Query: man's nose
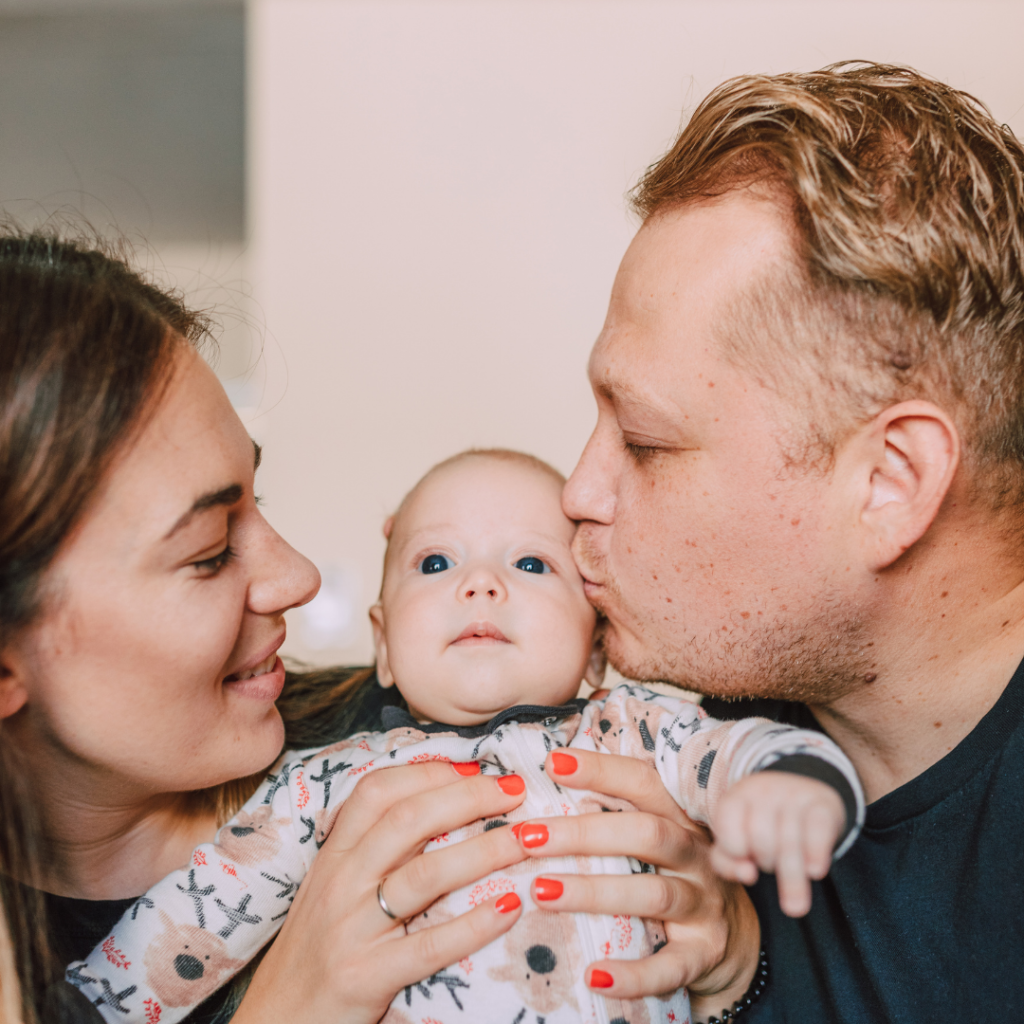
x: 589, y: 494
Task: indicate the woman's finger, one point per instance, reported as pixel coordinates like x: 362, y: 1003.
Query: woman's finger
x: 407, y: 960
x: 666, y: 971
x: 648, y: 837
x: 414, y: 886
x: 659, y: 897
x: 406, y: 826
x: 379, y: 791
x: 623, y: 777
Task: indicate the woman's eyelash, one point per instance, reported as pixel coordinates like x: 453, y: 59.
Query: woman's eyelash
x: 212, y: 566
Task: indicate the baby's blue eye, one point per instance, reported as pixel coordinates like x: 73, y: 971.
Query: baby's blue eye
x: 532, y: 564
x: 434, y: 563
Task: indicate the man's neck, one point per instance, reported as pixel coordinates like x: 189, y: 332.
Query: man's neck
x: 943, y: 665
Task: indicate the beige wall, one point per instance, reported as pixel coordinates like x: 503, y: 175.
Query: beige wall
x: 436, y: 208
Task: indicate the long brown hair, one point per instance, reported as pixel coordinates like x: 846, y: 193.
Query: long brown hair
x: 83, y: 343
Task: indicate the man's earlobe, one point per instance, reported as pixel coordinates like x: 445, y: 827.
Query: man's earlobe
x: 914, y: 451
x: 389, y: 525
x: 380, y: 644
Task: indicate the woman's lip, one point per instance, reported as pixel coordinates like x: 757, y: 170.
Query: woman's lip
x: 481, y: 633
x: 266, y: 687
x: 265, y: 653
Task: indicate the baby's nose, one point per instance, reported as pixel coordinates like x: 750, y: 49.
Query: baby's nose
x: 472, y: 591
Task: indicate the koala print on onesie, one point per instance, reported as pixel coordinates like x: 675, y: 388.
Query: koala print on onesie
x: 201, y: 924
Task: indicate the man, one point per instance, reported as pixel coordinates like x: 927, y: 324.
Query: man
x: 806, y: 486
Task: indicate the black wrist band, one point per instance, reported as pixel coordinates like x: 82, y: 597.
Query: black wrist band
x: 751, y: 996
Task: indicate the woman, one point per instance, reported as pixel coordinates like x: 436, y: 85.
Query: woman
x: 142, y: 597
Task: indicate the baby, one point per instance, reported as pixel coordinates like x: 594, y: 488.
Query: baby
x: 483, y: 626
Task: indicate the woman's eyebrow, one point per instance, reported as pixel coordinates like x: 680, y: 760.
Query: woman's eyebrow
x: 229, y: 495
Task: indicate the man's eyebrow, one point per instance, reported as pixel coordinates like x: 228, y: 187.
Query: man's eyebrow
x: 230, y: 495
x: 616, y: 391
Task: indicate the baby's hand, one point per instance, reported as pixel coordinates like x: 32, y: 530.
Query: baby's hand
x: 778, y: 822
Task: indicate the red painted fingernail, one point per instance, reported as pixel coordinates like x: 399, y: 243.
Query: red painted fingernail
x: 466, y: 767
x: 533, y: 835
x: 516, y: 828
x: 563, y: 764
x: 509, y: 902
x: 547, y: 888
x: 513, y: 785
x: 601, y: 979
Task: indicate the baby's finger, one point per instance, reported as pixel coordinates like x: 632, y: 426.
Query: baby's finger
x: 790, y: 871
x: 735, y: 869
x: 731, y: 826
x: 661, y: 897
x: 821, y: 831
x: 763, y: 834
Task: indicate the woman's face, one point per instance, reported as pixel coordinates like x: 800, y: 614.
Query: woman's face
x: 172, y: 587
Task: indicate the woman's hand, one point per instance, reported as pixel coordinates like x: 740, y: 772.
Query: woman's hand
x: 339, y: 959
x: 712, y: 928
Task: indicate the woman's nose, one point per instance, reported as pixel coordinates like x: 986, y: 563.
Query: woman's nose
x: 283, y: 578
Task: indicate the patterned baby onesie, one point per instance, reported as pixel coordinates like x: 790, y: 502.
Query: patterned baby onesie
x: 199, y: 926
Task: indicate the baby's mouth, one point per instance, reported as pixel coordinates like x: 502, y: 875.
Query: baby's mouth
x: 480, y: 633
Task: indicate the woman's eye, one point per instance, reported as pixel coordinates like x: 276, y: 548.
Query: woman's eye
x: 212, y: 566
x: 434, y: 563
x: 532, y: 564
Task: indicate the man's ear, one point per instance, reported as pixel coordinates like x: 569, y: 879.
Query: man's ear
x: 380, y: 644
x: 911, y: 452
x: 389, y: 525
x: 13, y: 693
x: 596, y: 663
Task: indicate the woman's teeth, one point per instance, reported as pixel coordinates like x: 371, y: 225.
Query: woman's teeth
x: 261, y: 669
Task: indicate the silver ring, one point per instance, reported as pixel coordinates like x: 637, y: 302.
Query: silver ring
x: 383, y: 903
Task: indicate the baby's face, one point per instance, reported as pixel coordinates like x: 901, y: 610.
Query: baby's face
x: 482, y: 607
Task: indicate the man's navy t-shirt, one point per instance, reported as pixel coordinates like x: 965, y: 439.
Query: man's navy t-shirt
x: 923, y: 919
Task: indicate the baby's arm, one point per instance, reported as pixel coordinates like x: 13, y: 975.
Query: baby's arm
x: 776, y: 798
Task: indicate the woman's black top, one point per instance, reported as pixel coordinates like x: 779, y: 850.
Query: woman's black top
x: 76, y: 926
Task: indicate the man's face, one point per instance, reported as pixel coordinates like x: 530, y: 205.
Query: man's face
x: 719, y: 564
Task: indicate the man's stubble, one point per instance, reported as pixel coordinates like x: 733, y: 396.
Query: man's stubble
x: 814, y: 660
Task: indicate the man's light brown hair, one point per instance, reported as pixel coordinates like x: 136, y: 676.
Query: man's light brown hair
x: 907, y: 201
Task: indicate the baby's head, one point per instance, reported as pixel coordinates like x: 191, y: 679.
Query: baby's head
x: 481, y: 607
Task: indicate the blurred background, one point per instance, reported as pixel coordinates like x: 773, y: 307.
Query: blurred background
x: 406, y: 214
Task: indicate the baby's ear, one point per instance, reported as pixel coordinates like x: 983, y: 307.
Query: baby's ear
x: 596, y: 664
x: 389, y: 525
x: 380, y: 644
